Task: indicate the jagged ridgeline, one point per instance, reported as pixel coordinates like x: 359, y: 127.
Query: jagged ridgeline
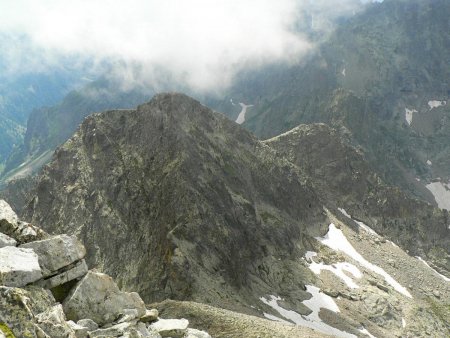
x: 178, y: 201
x: 175, y: 201
x: 383, y: 74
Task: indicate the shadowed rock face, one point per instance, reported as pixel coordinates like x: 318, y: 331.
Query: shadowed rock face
x: 341, y: 175
x: 177, y: 201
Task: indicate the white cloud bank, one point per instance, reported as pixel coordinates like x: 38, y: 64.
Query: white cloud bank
x: 200, y: 43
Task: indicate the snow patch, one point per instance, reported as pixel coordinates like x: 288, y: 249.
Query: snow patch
x: 429, y: 162
x: 343, y: 212
x: 424, y: 262
x: 339, y: 270
x: 435, y: 104
x: 409, y: 115
x: 336, y: 240
x: 441, y: 193
x: 403, y: 322
x: 309, y: 255
x: 318, y: 301
x: 343, y: 72
x: 241, y: 118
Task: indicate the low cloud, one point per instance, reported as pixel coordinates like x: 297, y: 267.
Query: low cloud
x: 200, y: 44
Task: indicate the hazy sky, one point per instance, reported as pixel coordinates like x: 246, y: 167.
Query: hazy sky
x: 202, y: 43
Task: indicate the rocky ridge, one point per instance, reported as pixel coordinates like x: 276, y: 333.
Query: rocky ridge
x: 46, y: 290
x: 205, y: 212
x: 342, y: 176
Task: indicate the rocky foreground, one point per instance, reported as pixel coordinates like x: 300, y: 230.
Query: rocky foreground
x: 46, y: 290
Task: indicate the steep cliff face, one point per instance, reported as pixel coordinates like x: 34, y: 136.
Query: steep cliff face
x: 177, y: 201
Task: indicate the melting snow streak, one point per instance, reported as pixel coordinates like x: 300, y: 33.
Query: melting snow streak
x: 336, y: 240
x: 318, y: 301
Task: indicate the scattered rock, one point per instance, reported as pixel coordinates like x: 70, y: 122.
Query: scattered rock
x: 331, y: 293
x: 57, y: 252
x: 150, y: 316
x: 128, y: 315
x: 80, y: 331
x: 18, y: 266
x: 113, y: 331
x: 19, y: 308
x: 53, y: 323
x: 175, y: 328
x: 88, y: 324
x: 10, y: 225
x: 98, y: 297
x: 436, y: 293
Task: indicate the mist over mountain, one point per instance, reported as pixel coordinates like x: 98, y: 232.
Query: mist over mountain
x: 262, y: 169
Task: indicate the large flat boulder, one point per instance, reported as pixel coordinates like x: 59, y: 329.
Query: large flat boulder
x: 77, y: 271
x: 98, y: 297
x: 175, y: 328
x: 57, y: 252
x: 18, y: 266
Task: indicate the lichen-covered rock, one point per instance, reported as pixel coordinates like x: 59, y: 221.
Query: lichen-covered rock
x: 18, y: 308
x: 80, y: 331
x: 57, y: 252
x: 53, y: 323
x: 18, y: 266
x: 97, y: 297
x: 171, y: 327
x: 89, y: 324
x: 6, y: 241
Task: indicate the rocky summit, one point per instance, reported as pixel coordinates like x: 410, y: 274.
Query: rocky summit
x: 175, y: 201
x: 36, y: 274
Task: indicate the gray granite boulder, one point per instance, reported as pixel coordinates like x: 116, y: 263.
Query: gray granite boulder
x: 98, y: 297
x: 22, y: 232
x: 18, y: 266
x: 53, y: 322
x: 6, y: 241
x: 57, y: 252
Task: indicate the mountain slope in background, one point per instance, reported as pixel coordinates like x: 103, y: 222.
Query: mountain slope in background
x: 19, y: 95
x: 384, y: 76
x: 176, y: 201
x: 49, y: 127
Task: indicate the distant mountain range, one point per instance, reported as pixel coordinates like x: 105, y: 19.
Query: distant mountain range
x: 382, y: 75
